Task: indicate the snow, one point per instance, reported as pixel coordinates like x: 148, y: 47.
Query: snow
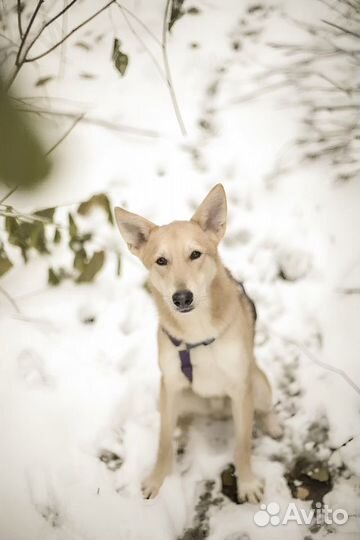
x: 71, y: 390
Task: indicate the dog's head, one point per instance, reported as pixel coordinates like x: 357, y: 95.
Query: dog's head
x: 182, y: 256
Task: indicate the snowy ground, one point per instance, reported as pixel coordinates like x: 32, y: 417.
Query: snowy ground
x: 78, y: 369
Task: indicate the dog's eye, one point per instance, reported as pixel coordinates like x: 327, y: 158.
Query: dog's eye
x: 195, y: 255
x: 161, y: 261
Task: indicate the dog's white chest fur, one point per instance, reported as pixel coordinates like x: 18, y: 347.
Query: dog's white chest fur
x: 216, y: 368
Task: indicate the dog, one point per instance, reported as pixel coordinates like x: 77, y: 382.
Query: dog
x: 205, y: 334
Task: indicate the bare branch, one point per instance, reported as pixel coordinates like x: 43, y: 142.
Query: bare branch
x: 167, y: 69
x: 319, y: 363
x: 345, y: 30
x: 8, y: 39
x: 48, y: 23
x: 18, y: 61
x: 67, y: 132
x: 137, y: 19
x: 64, y: 29
x: 337, y: 448
x: 10, y: 299
x: 155, y: 62
x: 18, y: 11
x: 350, y: 290
x: 48, y: 51
x: 96, y: 121
x: 8, y: 194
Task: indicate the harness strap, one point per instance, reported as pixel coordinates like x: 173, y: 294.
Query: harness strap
x: 184, y: 354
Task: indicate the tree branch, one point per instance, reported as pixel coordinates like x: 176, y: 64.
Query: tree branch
x: 319, y: 363
x: 155, y: 62
x: 96, y: 121
x: 18, y: 11
x: 50, y: 21
x: 345, y: 30
x: 10, y: 299
x: 48, y: 51
x: 137, y: 19
x: 18, y: 60
x: 67, y: 132
x: 8, y: 194
x: 167, y: 69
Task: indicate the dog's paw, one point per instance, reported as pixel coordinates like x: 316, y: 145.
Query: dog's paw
x: 151, y: 486
x: 251, y: 491
x: 272, y: 426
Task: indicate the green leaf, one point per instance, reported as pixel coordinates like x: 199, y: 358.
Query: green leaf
x: 44, y: 80
x: 47, y: 213
x: 100, y: 200
x: 73, y: 230
x: 10, y: 224
x: 92, y: 267
x: 38, y: 238
x: 53, y: 278
x: 176, y: 12
x: 80, y: 260
x: 5, y: 262
x: 83, y: 45
x: 119, y: 58
x: 19, y: 236
x: 57, y: 236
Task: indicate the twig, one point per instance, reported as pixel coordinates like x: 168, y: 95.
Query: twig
x: 10, y: 299
x: 50, y: 21
x: 18, y: 10
x: 137, y: 19
x: 350, y: 439
x: 99, y: 122
x: 337, y: 86
x: 319, y: 363
x: 28, y: 218
x: 350, y: 290
x: 167, y: 69
x: 67, y: 132
x: 51, y: 149
x: 12, y: 190
x: 155, y: 62
x: 18, y: 61
x: 63, y: 46
x: 345, y: 30
x: 8, y: 39
x: 45, y: 53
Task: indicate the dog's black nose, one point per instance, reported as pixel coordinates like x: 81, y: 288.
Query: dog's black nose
x: 183, y: 299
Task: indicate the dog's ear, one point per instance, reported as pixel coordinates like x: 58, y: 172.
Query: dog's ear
x: 134, y: 229
x: 211, y: 214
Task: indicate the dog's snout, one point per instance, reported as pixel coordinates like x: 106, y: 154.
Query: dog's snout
x: 183, y: 299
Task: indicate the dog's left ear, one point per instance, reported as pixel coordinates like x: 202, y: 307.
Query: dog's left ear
x: 211, y: 214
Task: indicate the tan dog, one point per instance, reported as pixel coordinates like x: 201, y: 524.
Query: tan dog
x: 206, y: 331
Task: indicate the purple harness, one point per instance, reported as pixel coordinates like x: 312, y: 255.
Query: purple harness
x: 184, y: 354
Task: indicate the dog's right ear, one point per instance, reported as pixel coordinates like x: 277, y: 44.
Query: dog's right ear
x: 134, y: 229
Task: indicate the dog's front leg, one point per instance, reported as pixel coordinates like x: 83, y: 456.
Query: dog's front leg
x: 168, y: 415
x: 250, y: 488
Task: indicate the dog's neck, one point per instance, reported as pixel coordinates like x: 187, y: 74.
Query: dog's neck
x: 209, y: 319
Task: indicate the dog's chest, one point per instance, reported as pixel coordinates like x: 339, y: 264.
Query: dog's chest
x: 215, y: 367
